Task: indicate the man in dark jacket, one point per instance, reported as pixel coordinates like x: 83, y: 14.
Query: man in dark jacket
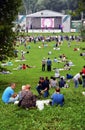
x: 43, y: 87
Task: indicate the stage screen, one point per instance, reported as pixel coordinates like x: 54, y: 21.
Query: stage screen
x: 47, y: 22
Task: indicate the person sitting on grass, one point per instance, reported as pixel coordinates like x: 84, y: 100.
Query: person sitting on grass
x: 66, y: 66
x: 43, y: 87
x: 28, y: 99
x: 69, y: 76
x: 53, y: 82
x: 8, y: 95
x: 57, y: 98
x: 62, y: 82
x: 21, y: 92
x: 57, y: 74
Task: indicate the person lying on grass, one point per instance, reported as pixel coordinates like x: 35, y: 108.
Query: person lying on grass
x: 23, y: 67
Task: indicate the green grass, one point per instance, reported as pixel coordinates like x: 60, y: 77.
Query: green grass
x: 68, y: 117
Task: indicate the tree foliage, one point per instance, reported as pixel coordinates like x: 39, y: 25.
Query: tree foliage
x: 29, y: 6
x: 81, y: 10
x: 55, y: 5
x: 81, y: 5
x: 8, y: 11
x: 66, y: 6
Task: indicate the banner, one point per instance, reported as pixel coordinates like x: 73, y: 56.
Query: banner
x: 47, y: 23
x: 76, y: 25
x: 66, y: 23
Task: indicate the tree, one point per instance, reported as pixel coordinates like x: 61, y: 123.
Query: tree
x: 39, y: 6
x: 55, y: 5
x: 29, y: 6
x: 8, y: 12
x: 81, y: 6
x: 81, y: 10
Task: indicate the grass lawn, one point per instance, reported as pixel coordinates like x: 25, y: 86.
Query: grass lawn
x: 70, y: 116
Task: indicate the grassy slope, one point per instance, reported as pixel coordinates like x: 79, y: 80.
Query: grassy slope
x: 69, y: 117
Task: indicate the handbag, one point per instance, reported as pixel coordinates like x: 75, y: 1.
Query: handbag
x: 19, y: 104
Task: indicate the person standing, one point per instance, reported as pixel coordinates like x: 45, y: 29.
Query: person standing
x: 76, y: 79
x: 83, y: 70
x: 83, y: 76
x: 8, y: 95
x: 22, y: 55
x: 49, y: 64
x: 43, y: 64
x: 83, y: 80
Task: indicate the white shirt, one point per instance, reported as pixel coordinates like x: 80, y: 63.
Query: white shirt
x: 77, y: 76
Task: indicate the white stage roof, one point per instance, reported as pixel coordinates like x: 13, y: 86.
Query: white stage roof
x: 46, y: 13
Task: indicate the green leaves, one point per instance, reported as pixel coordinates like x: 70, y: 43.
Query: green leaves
x: 8, y: 12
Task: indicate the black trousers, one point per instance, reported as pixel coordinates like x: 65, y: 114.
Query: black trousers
x: 48, y: 67
x: 43, y: 67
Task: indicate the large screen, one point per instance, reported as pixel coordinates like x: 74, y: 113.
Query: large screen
x: 47, y: 22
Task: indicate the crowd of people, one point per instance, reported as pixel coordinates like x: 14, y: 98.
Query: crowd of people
x: 47, y: 63
x: 59, y: 38
x: 25, y: 98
